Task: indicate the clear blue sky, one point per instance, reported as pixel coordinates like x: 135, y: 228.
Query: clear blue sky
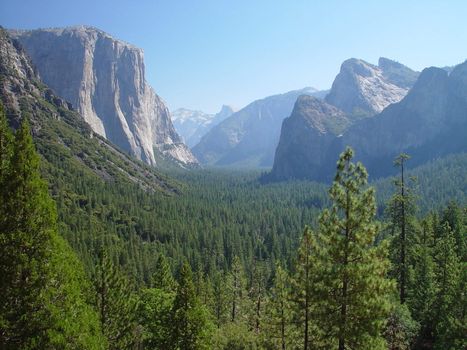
x: 202, y: 54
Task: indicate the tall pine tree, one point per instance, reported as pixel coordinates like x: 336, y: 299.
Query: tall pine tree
x: 190, y: 324
x: 354, y: 293
x: 27, y: 223
x: 401, y: 210
x: 116, y: 304
x: 279, y: 312
x: 303, y: 293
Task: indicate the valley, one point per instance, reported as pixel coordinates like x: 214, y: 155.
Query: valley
x: 331, y: 218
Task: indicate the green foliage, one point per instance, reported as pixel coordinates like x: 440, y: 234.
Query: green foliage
x: 191, y: 328
x: 45, y: 300
x: 449, y: 319
x: 401, y: 329
x: 304, y: 292
x: 235, y: 336
x: 279, y: 317
x: 354, y: 293
x: 162, y: 277
x: 236, y: 287
x: 401, y: 210
x: 154, y: 313
x: 115, y: 304
x: 75, y: 323
x: 27, y: 223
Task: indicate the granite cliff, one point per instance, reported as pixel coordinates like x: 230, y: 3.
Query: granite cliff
x: 70, y: 149
x: 362, y: 89
x: 104, y: 79
x: 429, y: 122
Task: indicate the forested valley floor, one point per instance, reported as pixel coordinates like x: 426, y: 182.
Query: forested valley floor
x: 228, y: 262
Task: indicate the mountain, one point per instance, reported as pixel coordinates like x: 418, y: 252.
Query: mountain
x: 104, y: 79
x: 193, y: 125
x: 70, y: 149
x: 313, y: 126
x: 362, y: 89
x: 249, y: 137
x: 429, y: 122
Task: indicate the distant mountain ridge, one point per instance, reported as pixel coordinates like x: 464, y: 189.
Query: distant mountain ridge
x: 193, y: 125
x: 248, y: 137
x: 429, y: 122
x: 104, y: 79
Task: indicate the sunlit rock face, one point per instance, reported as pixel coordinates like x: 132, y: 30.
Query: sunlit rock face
x: 104, y: 79
x: 430, y: 121
x: 362, y: 89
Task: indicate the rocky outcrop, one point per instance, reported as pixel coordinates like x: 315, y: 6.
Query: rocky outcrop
x: 193, y: 125
x: 430, y: 122
x: 67, y: 144
x: 362, y: 89
x: 248, y: 138
x: 313, y: 126
x: 104, y: 79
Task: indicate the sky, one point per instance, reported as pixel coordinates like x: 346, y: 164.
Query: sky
x: 200, y: 54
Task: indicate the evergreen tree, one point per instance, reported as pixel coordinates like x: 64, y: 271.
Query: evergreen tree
x: 279, y: 312
x: 236, y: 290
x: 256, y: 296
x: 190, y: 325
x: 221, y: 300
x: 27, y: 222
x: 304, y: 284
x: 401, y: 329
x: 354, y: 293
x: 162, y: 277
x: 75, y: 323
x: 45, y: 299
x: 116, y: 304
x: 422, y: 289
x: 450, y: 299
x: 154, y: 311
x: 401, y: 208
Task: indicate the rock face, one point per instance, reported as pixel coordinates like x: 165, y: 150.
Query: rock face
x: 104, y: 79
x: 314, y: 125
x: 248, y: 138
x: 430, y: 122
x: 362, y: 89
x: 66, y: 142
x: 193, y: 125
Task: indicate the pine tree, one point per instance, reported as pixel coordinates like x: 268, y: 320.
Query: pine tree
x: 354, y: 290
x: 422, y: 288
x: 236, y: 290
x: 45, y: 299
x: 190, y: 325
x: 256, y: 296
x: 154, y: 311
x: 449, y: 310
x: 220, y: 303
x: 27, y: 222
x: 279, y: 312
x: 401, y: 329
x: 116, y: 304
x: 304, y: 284
x: 401, y: 208
x: 75, y: 322
x: 162, y: 277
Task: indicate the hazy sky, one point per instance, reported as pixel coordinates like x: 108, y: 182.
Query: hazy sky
x: 202, y: 54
